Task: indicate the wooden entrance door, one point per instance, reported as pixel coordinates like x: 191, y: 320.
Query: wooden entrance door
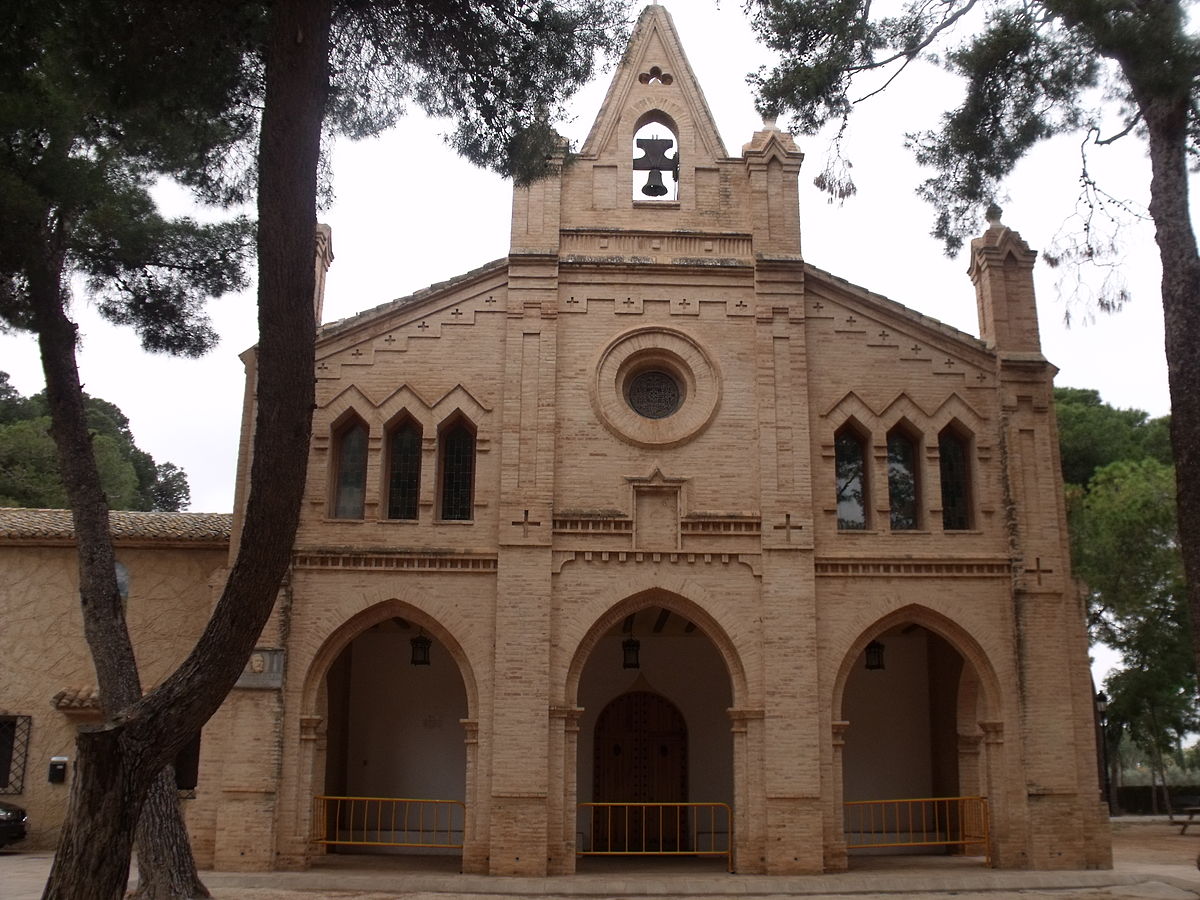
x: 640, y: 756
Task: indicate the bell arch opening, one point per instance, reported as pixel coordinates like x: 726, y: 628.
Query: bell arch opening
x: 656, y: 158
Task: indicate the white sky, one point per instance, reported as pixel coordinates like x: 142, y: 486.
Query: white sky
x: 409, y: 213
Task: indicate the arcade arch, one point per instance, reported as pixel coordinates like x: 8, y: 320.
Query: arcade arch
x: 395, y: 699
x: 653, y: 682
x: 915, y: 696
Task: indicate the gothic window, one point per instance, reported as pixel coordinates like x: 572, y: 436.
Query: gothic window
x: 350, y: 481
x: 14, y: 750
x: 953, y: 453
x: 903, y: 481
x: 850, y: 452
x: 656, y: 159
x: 457, y: 460
x: 404, y: 469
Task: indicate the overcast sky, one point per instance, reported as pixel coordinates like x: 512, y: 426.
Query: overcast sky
x: 409, y: 213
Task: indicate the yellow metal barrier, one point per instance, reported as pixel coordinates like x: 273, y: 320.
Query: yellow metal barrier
x: 388, y: 821
x: 924, y: 822
x: 655, y: 829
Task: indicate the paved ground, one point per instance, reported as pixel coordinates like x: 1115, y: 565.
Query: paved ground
x: 1152, y: 861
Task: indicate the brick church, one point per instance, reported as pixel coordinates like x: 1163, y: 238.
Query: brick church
x: 647, y: 538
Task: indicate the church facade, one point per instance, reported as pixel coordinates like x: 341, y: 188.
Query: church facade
x: 653, y: 537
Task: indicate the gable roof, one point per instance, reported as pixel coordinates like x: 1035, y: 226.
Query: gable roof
x: 18, y: 524
x: 654, y: 42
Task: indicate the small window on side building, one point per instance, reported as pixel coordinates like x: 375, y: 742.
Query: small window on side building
x: 14, y: 752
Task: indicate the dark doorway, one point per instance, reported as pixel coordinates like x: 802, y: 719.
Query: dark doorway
x: 641, y: 751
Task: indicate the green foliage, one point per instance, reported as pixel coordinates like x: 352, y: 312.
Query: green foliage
x: 1127, y: 553
x: 86, y: 132
x: 1092, y: 434
x: 501, y: 70
x: 29, y: 473
x: 1030, y: 70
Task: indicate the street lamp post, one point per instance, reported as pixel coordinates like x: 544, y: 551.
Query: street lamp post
x: 1101, y: 702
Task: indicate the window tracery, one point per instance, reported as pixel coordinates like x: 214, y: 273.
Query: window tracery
x: 954, y: 465
x: 850, y: 459
x: 404, y: 469
x: 903, y: 480
x: 457, y: 452
x: 350, y: 480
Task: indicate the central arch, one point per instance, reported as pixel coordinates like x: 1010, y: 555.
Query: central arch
x: 655, y: 729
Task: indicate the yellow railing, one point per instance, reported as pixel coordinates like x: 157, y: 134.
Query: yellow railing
x: 388, y: 821
x: 655, y: 829
x: 924, y: 822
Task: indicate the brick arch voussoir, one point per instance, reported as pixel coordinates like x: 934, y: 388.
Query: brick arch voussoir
x: 676, y: 595
x: 956, y: 409
x: 959, y: 637
x: 352, y: 400
x: 371, y: 609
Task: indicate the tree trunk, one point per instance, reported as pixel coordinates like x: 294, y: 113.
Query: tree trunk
x: 1166, y: 124
x: 103, y: 609
x: 166, y: 867
x: 112, y: 763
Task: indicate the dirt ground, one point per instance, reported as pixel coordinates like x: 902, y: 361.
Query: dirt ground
x: 1151, y: 861
x: 1154, y: 843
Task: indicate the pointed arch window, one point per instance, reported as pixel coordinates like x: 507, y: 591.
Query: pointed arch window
x: 954, y: 463
x: 903, y: 480
x: 350, y: 480
x: 850, y: 454
x: 404, y: 469
x: 457, y: 462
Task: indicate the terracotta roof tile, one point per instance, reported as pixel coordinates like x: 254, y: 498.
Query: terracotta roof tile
x: 16, y: 524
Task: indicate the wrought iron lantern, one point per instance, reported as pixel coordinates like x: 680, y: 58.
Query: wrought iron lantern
x: 420, y: 650
x: 874, y: 655
x: 630, y: 649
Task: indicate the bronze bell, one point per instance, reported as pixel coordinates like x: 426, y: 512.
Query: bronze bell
x: 654, y: 184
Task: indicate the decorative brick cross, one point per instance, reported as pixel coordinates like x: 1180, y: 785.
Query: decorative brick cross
x: 525, y: 522
x: 787, y: 527
x: 1038, y: 570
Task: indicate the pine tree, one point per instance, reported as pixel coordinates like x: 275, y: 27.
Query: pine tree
x: 500, y: 68
x: 1031, y: 70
